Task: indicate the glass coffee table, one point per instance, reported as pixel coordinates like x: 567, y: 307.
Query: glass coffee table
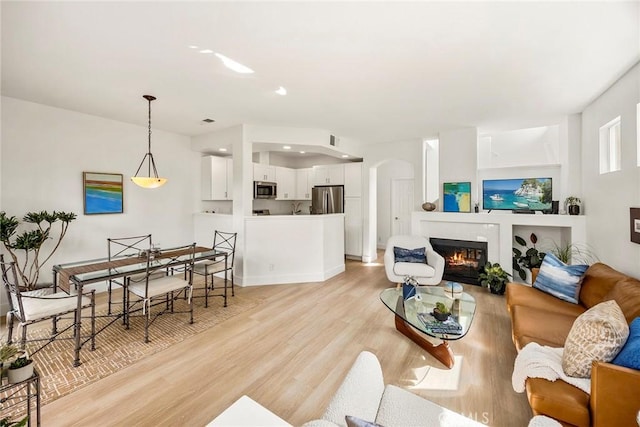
x: 414, y: 319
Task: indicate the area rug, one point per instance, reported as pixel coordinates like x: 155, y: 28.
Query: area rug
x: 117, y: 348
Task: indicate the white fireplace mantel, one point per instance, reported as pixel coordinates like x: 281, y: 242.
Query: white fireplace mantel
x: 497, y: 228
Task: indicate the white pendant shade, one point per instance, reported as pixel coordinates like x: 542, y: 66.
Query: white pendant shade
x: 148, y: 181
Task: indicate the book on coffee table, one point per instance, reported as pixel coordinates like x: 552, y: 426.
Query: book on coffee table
x: 449, y: 326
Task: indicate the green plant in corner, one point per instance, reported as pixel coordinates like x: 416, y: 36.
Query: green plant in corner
x: 7, y: 351
x: 494, y: 277
x: 6, y: 422
x: 530, y: 258
x: 31, y: 241
x: 573, y: 253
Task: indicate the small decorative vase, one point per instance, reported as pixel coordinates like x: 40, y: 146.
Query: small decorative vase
x: 428, y: 206
x: 20, y: 374
x: 574, y: 209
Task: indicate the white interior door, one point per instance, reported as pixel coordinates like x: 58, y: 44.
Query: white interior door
x: 401, y: 206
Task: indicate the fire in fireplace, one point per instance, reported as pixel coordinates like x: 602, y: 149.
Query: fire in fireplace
x: 463, y: 259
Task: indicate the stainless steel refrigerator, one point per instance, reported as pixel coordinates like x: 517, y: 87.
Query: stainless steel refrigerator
x: 327, y: 199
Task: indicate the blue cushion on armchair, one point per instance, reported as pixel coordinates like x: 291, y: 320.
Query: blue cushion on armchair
x: 410, y: 255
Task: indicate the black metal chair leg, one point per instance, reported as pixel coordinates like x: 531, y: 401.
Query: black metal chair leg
x: 206, y: 288
x: 23, y: 340
x: 225, y: 290
x: 9, y: 327
x: 93, y: 320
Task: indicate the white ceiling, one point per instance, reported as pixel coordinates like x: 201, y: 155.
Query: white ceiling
x: 372, y: 71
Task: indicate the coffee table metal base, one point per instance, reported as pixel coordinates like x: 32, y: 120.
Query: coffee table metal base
x: 442, y: 352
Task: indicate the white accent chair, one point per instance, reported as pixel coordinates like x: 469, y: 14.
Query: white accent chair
x: 425, y: 274
x: 364, y: 395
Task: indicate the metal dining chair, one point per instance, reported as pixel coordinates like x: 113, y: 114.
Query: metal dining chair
x: 223, y: 242
x: 149, y: 291
x: 29, y: 307
x: 125, y: 247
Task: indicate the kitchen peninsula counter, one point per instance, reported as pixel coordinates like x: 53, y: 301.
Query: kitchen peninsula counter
x: 277, y: 249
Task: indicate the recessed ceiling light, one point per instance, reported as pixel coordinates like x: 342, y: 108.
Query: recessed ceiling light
x: 233, y: 65
x: 222, y: 149
x: 208, y: 120
x: 206, y: 51
x: 302, y: 152
x: 281, y: 91
x: 345, y: 156
x: 286, y: 147
x: 193, y: 46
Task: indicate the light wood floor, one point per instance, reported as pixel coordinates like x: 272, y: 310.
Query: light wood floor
x: 290, y: 355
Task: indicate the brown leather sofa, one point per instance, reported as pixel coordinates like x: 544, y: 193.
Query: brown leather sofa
x: 541, y: 318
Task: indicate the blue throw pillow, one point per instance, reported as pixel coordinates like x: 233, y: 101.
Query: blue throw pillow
x: 629, y: 356
x: 559, y: 279
x: 359, y: 422
x: 410, y: 255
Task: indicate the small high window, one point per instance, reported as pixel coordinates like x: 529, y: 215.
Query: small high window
x: 610, y: 146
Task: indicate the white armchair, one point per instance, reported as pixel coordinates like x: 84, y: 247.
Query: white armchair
x: 425, y: 274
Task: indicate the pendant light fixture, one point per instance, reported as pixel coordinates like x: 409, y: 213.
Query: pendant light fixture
x: 149, y: 181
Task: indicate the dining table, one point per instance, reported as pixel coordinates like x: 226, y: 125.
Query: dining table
x: 79, y: 274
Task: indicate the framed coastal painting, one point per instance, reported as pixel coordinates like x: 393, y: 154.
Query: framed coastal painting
x: 102, y: 193
x: 457, y: 197
x: 634, y: 219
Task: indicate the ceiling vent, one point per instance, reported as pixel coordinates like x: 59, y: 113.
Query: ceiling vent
x: 333, y: 141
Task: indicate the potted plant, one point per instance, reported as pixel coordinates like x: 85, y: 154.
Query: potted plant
x: 573, y: 253
x: 572, y: 205
x: 20, y: 369
x: 31, y: 241
x: 7, y: 353
x: 529, y: 259
x: 441, y: 312
x: 6, y: 422
x: 494, y: 278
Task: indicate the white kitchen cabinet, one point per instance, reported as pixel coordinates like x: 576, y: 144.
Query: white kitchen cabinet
x: 304, y: 184
x: 353, y: 180
x: 286, y: 180
x: 229, y: 179
x: 264, y: 172
x: 328, y: 175
x: 217, y: 178
x: 353, y: 226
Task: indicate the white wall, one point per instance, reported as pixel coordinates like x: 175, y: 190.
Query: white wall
x: 376, y: 155
x: 393, y: 169
x: 458, y: 159
x: 608, y: 197
x: 432, y: 172
x: 44, y: 152
x: 505, y: 149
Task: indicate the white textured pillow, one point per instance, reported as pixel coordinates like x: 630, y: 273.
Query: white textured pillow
x: 597, y: 334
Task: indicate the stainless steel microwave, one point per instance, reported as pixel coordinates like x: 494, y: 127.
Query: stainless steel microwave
x: 264, y: 190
